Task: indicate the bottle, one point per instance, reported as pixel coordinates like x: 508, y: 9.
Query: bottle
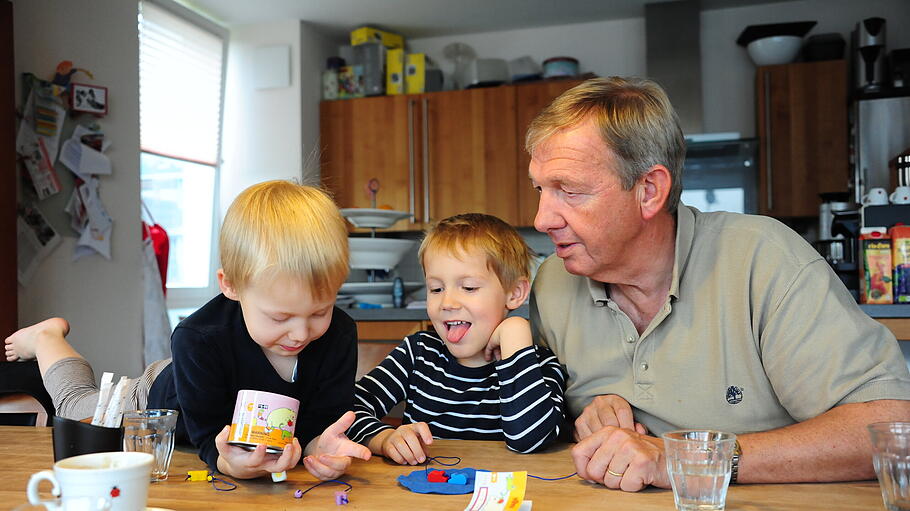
x: 398, y: 293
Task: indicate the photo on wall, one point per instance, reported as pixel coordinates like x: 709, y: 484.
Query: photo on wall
x: 90, y: 99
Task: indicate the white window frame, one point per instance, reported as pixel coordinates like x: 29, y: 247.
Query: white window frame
x: 192, y: 298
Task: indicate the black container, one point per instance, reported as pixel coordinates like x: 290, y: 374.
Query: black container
x: 72, y: 438
x: 824, y: 47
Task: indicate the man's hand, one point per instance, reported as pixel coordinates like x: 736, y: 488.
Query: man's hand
x: 242, y: 464
x: 407, y: 444
x: 608, y: 410
x: 638, y: 459
x: 329, y: 455
x: 513, y: 334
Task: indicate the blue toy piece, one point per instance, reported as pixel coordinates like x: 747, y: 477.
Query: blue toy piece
x: 417, y: 482
x: 458, y: 479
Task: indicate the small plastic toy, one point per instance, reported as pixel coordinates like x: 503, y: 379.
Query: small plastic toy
x: 341, y: 498
x: 458, y: 479
x: 437, y: 476
x: 278, y: 477
x: 298, y: 494
x: 198, y: 475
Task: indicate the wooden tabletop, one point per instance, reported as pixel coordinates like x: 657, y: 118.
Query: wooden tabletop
x: 25, y: 450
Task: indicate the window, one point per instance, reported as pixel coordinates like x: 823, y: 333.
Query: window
x: 181, y: 62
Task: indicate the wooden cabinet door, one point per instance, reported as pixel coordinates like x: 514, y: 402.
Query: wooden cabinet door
x: 376, y: 339
x: 530, y: 99
x: 802, y: 126
x: 369, y: 138
x: 8, y: 287
x: 470, y: 156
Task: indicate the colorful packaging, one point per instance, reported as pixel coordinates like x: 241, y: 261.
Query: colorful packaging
x: 394, y: 83
x: 415, y: 73
x: 350, y: 82
x: 900, y: 257
x: 263, y: 418
x: 374, y: 35
x: 875, y: 268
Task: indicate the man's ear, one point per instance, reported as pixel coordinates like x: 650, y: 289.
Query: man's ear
x: 226, y: 286
x: 654, y: 189
x: 518, y: 294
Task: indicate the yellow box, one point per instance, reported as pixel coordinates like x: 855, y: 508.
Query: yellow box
x: 415, y: 73
x: 394, y: 76
x: 374, y: 35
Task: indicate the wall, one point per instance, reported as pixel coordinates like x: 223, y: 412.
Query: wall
x: 618, y: 48
x: 102, y: 299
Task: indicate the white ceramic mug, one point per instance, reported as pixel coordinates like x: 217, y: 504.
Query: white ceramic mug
x: 875, y: 197
x: 900, y: 195
x: 119, y: 480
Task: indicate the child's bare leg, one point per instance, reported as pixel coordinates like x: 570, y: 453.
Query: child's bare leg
x: 45, y: 341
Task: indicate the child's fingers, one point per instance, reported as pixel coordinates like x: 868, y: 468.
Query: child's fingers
x: 390, y: 451
x: 400, y: 443
x: 411, y: 442
x: 340, y: 426
x: 423, y: 429
x: 221, y: 439
x: 326, y: 467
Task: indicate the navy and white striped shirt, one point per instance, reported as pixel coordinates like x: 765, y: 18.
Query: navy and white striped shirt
x: 519, y: 399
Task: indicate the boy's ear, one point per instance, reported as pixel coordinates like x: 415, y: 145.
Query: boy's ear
x: 518, y: 294
x: 226, y: 286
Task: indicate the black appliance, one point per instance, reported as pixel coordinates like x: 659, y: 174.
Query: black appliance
x: 869, y: 54
x: 841, y: 253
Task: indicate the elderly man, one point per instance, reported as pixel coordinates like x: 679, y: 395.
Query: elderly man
x: 670, y: 318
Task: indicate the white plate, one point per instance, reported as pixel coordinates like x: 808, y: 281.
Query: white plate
x: 378, y: 253
x: 373, y: 218
x: 376, y: 288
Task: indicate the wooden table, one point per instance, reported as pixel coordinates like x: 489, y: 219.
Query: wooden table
x: 25, y: 450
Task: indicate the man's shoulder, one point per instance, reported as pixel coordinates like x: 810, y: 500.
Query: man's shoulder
x: 761, y: 235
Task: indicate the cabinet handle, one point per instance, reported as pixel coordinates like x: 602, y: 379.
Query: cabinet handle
x: 411, y: 192
x: 768, y: 174
x: 426, y: 161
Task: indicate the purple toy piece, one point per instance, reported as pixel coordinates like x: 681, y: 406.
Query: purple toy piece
x: 298, y: 494
x: 341, y: 498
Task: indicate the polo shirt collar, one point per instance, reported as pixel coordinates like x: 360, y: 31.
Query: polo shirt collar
x: 685, y: 233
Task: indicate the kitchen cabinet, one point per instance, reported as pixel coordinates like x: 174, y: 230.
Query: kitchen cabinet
x: 436, y: 154
x: 369, y: 138
x: 802, y: 128
x: 530, y: 99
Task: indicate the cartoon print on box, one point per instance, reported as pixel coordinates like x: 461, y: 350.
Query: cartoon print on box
x: 263, y: 418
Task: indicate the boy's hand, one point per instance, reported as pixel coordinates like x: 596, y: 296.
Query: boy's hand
x: 513, y: 334
x: 407, y: 444
x: 330, y: 453
x: 243, y: 464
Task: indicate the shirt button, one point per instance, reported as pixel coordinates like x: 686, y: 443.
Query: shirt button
x: 644, y: 366
x: 630, y: 339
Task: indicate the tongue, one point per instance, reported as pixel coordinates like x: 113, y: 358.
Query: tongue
x: 456, y: 332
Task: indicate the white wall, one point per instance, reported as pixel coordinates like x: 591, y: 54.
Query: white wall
x: 315, y: 48
x: 262, y: 128
x: 618, y: 47
x: 102, y: 299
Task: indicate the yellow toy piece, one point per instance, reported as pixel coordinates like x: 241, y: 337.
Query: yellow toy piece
x: 199, y: 475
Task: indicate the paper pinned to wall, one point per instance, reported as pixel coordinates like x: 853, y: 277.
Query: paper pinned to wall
x: 83, y: 160
x: 96, y: 236
x: 35, y: 240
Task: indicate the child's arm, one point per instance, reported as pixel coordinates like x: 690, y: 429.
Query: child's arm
x: 329, y: 454
x: 375, y: 394
x: 531, y: 387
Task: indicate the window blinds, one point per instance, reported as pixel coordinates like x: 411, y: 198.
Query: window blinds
x: 179, y: 86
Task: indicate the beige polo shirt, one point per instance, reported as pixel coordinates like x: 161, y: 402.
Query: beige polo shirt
x: 757, y: 333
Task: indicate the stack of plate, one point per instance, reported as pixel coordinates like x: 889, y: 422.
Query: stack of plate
x: 371, y: 218
x: 372, y: 292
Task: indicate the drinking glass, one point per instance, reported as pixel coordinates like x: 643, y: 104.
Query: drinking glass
x: 891, y: 459
x: 699, y: 463
x: 151, y: 431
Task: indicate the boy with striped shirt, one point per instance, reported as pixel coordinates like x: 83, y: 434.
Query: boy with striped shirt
x: 477, y: 270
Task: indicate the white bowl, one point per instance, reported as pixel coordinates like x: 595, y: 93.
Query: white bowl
x: 378, y: 253
x: 778, y: 49
x: 373, y: 218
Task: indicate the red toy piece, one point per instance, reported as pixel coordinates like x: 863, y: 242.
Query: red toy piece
x: 437, y: 476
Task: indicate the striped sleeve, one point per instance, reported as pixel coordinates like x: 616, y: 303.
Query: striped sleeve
x: 531, y: 388
x: 380, y: 390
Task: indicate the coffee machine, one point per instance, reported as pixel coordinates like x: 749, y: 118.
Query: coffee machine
x: 869, y: 57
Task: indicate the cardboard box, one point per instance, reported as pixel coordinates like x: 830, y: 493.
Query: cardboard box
x: 900, y: 257
x: 415, y: 73
x: 374, y: 35
x: 394, y: 83
x: 350, y: 82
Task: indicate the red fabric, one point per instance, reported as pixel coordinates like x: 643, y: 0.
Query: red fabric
x: 161, y: 246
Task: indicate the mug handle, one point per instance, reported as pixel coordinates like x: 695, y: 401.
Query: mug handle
x: 32, y: 491
x: 891, y: 196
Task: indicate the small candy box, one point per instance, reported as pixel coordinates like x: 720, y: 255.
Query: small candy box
x: 263, y: 418
x: 900, y: 257
x: 875, y: 267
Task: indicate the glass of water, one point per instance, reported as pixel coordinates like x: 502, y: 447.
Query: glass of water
x: 151, y: 431
x: 891, y: 459
x: 699, y: 462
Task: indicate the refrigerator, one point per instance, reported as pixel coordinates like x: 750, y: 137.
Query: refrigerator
x: 879, y: 131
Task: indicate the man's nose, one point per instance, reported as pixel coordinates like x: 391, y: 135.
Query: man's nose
x: 548, y: 217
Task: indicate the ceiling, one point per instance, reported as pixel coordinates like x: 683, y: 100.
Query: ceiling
x: 427, y: 18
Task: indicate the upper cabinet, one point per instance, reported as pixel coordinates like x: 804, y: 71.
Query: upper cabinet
x: 368, y: 138
x: 802, y: 127
x: 436, y: 154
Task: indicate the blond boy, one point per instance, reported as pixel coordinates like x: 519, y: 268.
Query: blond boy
x: 477, y: 271
x: 284, y: 255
